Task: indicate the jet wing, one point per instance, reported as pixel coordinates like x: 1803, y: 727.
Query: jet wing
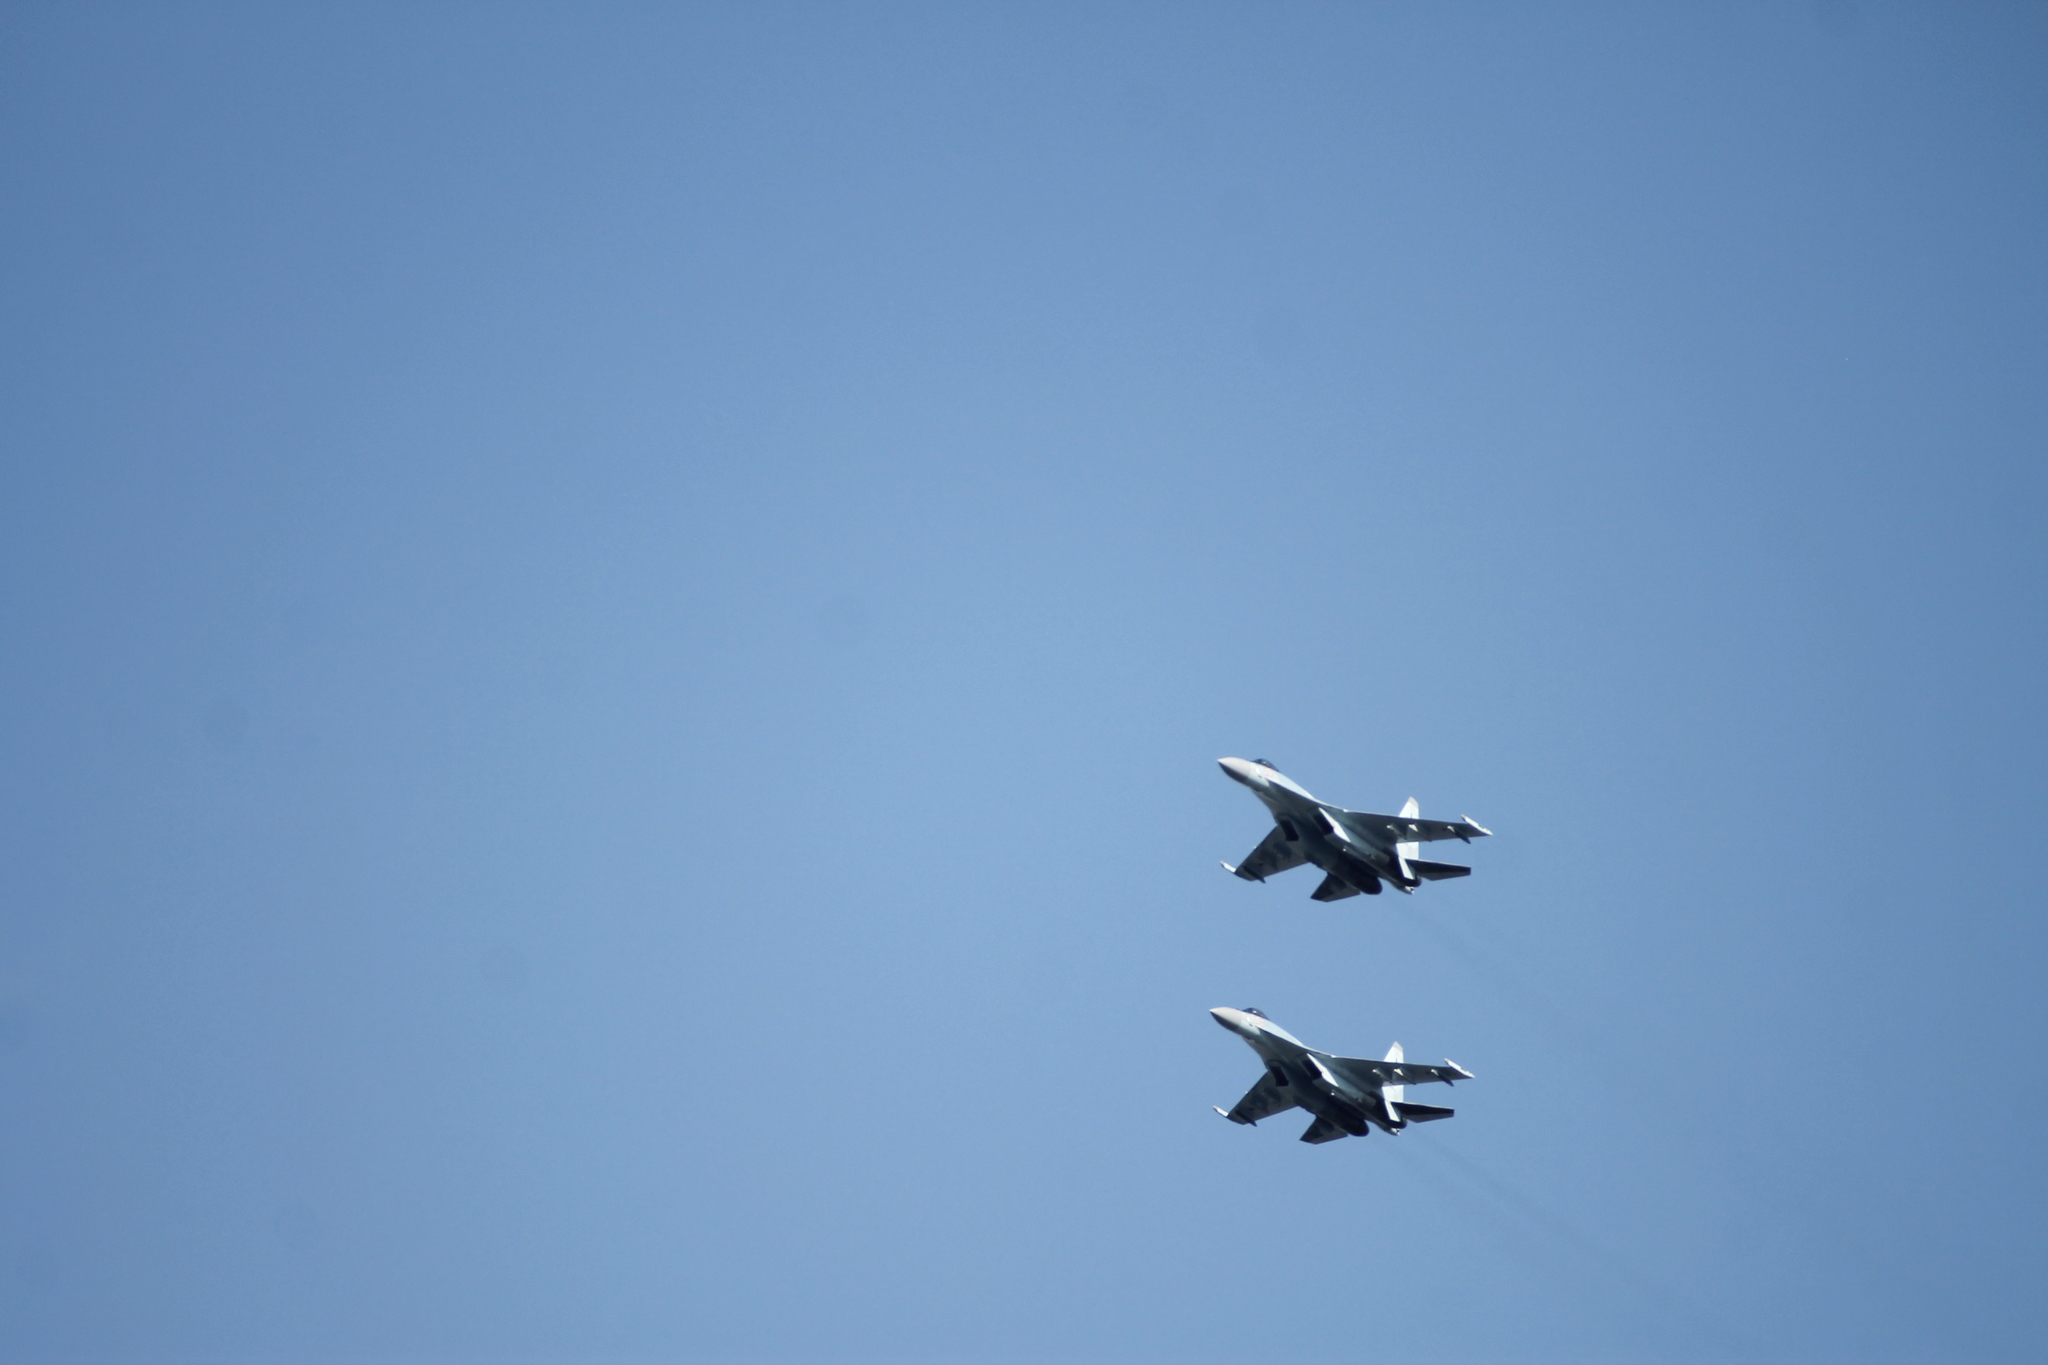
x: 1275, y: 853
x: 1413, y: 829
x: 1262, y: 1101
x: 1401, y: 1073
x: 1322, y: 1130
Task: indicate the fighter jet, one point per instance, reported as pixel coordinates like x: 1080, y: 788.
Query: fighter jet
x: 1348, y: 1095
x: 1355, y: 850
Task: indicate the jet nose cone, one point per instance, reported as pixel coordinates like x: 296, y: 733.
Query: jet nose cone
x: 1229, y: 1018
x: 1238, y: 769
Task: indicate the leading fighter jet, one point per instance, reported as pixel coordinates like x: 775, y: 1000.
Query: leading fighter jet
x: 1355, y: 850
x: 1348, y: 1095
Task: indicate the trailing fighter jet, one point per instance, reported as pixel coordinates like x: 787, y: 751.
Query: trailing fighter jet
x: 1348, y: 1095
x: 1355, y: 850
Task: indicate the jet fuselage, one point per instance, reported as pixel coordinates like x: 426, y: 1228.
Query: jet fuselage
x: 1311, y: 1080
x: 1352, y: 856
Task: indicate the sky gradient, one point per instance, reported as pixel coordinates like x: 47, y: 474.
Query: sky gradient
x: 618, y: 619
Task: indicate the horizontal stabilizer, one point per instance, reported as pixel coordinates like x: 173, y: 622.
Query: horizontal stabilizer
x: 1334, y: 888
x: 1436, y: 872
x: 1421, y: 1113
x: 1322, y: 1130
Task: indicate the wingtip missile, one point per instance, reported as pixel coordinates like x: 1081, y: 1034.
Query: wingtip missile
x: 1477, y: 828
x: 1463, y: 1074
x: 1226, y: 867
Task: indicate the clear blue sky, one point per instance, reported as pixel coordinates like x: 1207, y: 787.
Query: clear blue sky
x: 618, y: 620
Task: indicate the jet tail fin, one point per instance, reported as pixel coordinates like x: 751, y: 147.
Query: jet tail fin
x: 1408, y: 850
x: 1333, y: 889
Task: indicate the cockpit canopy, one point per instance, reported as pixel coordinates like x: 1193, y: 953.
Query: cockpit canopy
x: 1254, y: 1009
x: 1265, y: 763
